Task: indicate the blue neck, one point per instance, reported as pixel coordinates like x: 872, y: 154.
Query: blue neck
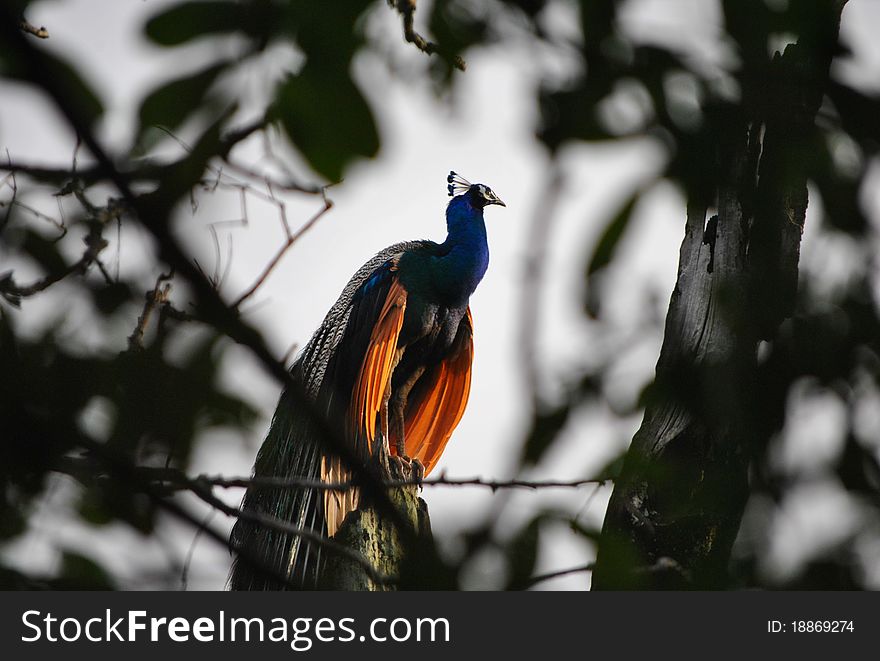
x: 466, y: 257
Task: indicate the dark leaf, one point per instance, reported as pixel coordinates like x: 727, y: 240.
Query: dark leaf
x: 42, y: 250
x: 109, y: 298
x: 571, y: 114
x: 597, y: 20
x: 614, y: 230
x: 858, y: 114
x: 111, y: 500
x: 605, y: 250
x: 173, y: 102
x: 522, y: 552
x: 546, y: 425
x: 179, y: 177
x: 226, y: 410
x: 328, y: 140
x: 12, y: 521
x: 81, y: 573
x: 191, y: 20
x: 81, y: 101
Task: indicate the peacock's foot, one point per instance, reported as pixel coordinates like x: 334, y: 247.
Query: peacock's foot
x: 405, y: 468
x: 418, y: 472
x: 400, y: 465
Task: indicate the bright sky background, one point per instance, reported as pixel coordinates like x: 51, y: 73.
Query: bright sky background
x: 486, y: 133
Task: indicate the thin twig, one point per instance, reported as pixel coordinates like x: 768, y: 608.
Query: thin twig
x: 495, y: 485
x: 540, y: 578
x: 293, y: 238
x: 184, y: 573
x: 13, y: 293
x: 39, y: 32
x: 152, y: 299
x: 407, y: 9
x: 14, y: 202
x: 176, y: 480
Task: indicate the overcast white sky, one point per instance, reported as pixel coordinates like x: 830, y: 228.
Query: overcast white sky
x: 485, y: 133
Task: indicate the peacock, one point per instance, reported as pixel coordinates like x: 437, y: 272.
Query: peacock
x: 390, y: 366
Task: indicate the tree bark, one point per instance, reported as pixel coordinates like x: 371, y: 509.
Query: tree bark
x: 677, y: 505
x: 378, y: 540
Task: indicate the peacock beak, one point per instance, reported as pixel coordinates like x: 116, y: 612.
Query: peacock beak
x: 496, y: 200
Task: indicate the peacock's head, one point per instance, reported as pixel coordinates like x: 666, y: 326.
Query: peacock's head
x: 479, y: 195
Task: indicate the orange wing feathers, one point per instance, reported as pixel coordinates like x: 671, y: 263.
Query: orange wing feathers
x: 431, y: 419
x: 379, y: 363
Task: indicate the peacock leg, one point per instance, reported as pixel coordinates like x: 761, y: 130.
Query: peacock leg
x: 398, y: 410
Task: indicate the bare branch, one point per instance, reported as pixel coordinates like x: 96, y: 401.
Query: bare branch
x: 176, y: 480
x: 293, y: 238
x: 153, y: 298
x: 13, y: 293
x: 39, y: 32
x: 11, y: 182
x: 540, y: 578
x: 407, y: 9
x: 184, y: 573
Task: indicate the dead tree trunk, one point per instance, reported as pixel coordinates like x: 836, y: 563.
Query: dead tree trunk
x: 377, y: 539
x: 677, y: 505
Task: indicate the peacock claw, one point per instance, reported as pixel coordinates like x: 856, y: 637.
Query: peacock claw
x: 418, y: 471
x: 399, y: 465
x: 405, y: 468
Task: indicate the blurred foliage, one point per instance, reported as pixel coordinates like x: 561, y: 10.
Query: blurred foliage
x: 156, y: 402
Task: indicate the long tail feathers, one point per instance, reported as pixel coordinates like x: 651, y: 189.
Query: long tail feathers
x: 290, y: 451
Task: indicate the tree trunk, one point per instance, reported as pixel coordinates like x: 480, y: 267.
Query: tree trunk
x: 377, y: 539
x: 677, y: 505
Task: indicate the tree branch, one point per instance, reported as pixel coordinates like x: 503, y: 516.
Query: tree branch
x: 291, y: 239
x: 153, y: 298
x: 540, y: 578
x: 407, y: 10
x: 39, y: 32
x: 13, y: 293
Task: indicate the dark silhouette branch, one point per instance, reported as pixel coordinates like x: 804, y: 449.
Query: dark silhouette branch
x: 38, y: 32
x: 14, y: 293
x: 407, y: 9
x: 540, y: 578
x: 173, y: 479
x: 154, y: 298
